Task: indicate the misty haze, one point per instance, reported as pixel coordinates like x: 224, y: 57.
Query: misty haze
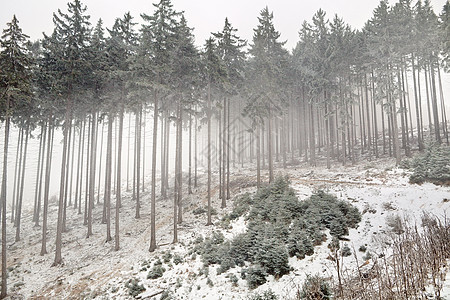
x: 285, y: 157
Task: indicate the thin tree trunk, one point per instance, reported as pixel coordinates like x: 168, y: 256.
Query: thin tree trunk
x: 209, y: 222
x: 88, y: 165
x: 51, y: 132
x: 17, y: 181
x: 92, y: 174
x: 119, y: 181
x: 3, y: 200
x: 190, y: 155
x: 180, y: 166
x: 153, y: 200
x: 66, y: 185
x: 36, y: 186
x: 59, y: 225
x: 195, y: 150
x: 20, y: 198
x: 100, y: 172
x: 16, y: 168
x: 435, y: 106
x: 270, y: 145
x: 128, y: 153
x: 175, y: 189
x: 228, y: 151
x: 41, y: 174
x: 108, y: 175
x: 138, y: 162
x: 419, y: 129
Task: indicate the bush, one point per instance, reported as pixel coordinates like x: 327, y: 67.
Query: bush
x: 432, y: 166
x: 167, y: 256
x: 134, y: 288
x: 156, y: 272
x: 346, y: 251
x: 166, y: 295
x: 315, y: 288
x: 279, y: 226
x: 234, y: 279
x: 177, y: 259
x: 266, y: 295
x: 273, y: 258
x: 241, y: 206
x: 255, y: 276
x: 199, y: 211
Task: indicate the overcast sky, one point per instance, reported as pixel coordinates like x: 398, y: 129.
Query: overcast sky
x: 205, y: 16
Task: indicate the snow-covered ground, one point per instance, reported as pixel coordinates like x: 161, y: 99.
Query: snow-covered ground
x: 93, y: 269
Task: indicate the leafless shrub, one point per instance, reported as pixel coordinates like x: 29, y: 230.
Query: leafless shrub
x: 414, y: 268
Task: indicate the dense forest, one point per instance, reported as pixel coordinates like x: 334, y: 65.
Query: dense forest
x: 340, y: 96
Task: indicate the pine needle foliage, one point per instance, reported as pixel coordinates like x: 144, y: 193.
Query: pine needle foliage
x: 279, y: 226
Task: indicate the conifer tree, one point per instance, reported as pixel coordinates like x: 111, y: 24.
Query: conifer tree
x: 15, y: 93
x: 264, y: 75
x: 73, y: 29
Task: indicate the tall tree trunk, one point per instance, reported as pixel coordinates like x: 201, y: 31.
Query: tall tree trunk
x: 312, y: 142
x: 92, y: 173
x: 16, y: 168
x: 143, y: 151
x: 153, y: 200
x: 209, y: 222
x: 180, y: 166
x: 195, y: 149
x: 137, y: 164
x: 88, y: 165
x: 17, y: 180
x: 258, y: 155
x: 228, y: 150
x: 444, y: 116
x: 435, y: 106
x: 41, y: 175
x: 36, y: 185
x: 128, y: 153
x: 71, y: 167
x: 369, y: 133
x: 20, y: 198
x: 190, y: 154
x: 394, y: 127
x: 270, y: 144
x: 59, y: 225
x: 176, y: 178
x: 416, y: 99
x: 108, y: 175
x: 3, y: 199
x: 430, y: 126
x: 51, y: 132
x: 66, y: 185
x: 119, y: 180
x: 224, y: 154
x: 375, y: 121
x: 100, y: 172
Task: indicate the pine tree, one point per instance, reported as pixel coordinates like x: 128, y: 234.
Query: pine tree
x: 264, y: 75
x: 154, y: 69
x: 214, y: 72
x: 73, y: 30
x: 230, y: 49
x: 15, y: 92
x: 119, y: 50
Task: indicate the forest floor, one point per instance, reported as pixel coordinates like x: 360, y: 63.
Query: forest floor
x: 92, y: 269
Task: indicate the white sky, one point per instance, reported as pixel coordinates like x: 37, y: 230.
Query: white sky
x: 205, y: 16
